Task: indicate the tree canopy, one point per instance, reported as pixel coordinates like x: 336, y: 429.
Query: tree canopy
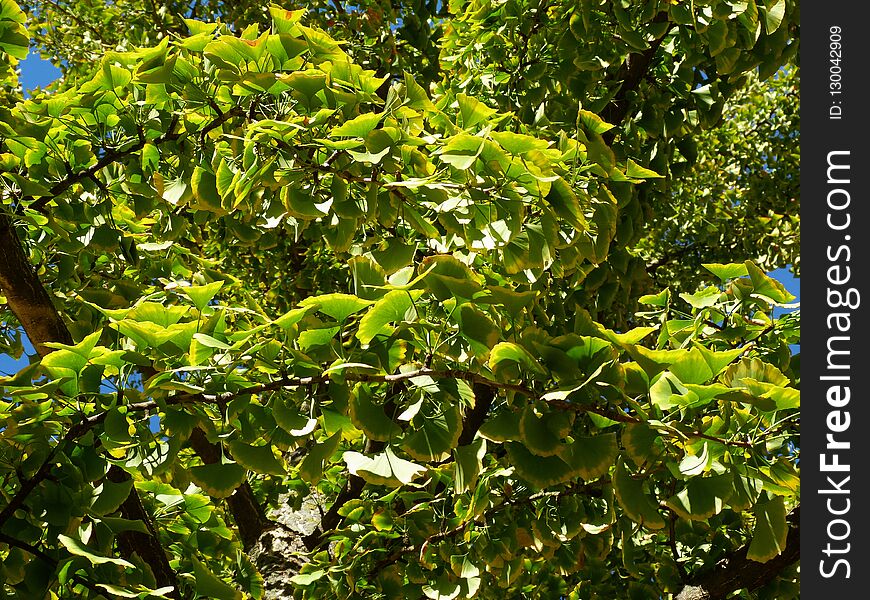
x: 400, y: 300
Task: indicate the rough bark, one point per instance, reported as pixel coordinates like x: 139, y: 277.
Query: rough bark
x: 632, y: 72
x: 249, y: 516
x: 147, y: 547
x: 483, y: 397
x: 737, y: 572
x: 25, y: 294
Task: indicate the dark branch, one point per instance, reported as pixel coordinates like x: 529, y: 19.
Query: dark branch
x: 249, y: 516
x: 12, y: 542
x: 110, y: 157
x: 483, y: 397
x: 632, y: 72
x: 146, y: 546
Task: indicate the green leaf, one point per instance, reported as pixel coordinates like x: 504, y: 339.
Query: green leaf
x: 692, y: 465
x: 116, y: 426
x: 394, y: 306
x: 478, y: 329
x: 472, y: 110
x: 304, y: 579
x: 506, y: 357
x: 746, y: 492
x: 311, y: 469
x: 767, y: 286
x: 384, y: 469
x: 260, y: 459
x: 773, y: 17
x: 540, y: 471
x: 110, y: 496
x: 518, y: 143
x: 639, y: 440
x: 203, y: 184
x: 593, y: 123
x: 468, y: 461
x: 290, y: 318
x: 370, y: 417
x: 436, y: 434
x: 119, y: 591
x: 119, y: 525
x: 77, y: 548
x: 337, y: 306
x: 661, y: 299
x: 591, y: 456
x: 201, y: 295
x: 702, y: 497
x: 771, y: 531
x: 210, y: 342
x: 542, y: 434
x: 635, y: 171
x: 503, y: 427
x: 218, y: 480
x: 637, y: 504
x: 209, y: 586
x: 291, y: 420
x: 703, y: 299
x: 359, y: 126
x: 565, y: 204
x: 726, y: 272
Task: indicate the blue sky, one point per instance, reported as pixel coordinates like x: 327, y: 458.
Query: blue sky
x: 36, y: 72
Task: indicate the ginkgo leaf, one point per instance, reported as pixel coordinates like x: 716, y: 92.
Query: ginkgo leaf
x: 383, y: 469
x: 337, y: 306
x: 359, y: 126
x: 542, y: 434
x: 702, y: 497
x: 370, y: 417
x: 394, y: 306
x: 639, y: 441
x: 638, y: 505
x: 540, y: 471
x: 591, y: 456
x: 77, y: 548
x: 208, y: 585
x: 771, y: 530
x: 218, y: 480
x: 468, y: 463
x: 311, y: 469
x: 434, y: 435
x: 472, y: 110
x: 110, y: 495
x: 260, y: 459
x: 506, y: 358
x: 202, y: 295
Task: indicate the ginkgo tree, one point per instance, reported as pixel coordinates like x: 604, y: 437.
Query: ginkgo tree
x: 268, y: 273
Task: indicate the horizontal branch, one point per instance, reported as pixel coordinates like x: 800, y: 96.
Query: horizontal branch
x: 30, y: 549
x: 467, y: 376
x: 109, y: 158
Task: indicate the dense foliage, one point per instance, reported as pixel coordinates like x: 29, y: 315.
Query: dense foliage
x: 399, y: 272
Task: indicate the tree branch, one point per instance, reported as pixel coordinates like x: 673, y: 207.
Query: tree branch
x: 26, y: 296
x: 110, y: 157
x: 11, y: 541
x: 146, y: 546
x: 632, y: 72
x: 249, y: 516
